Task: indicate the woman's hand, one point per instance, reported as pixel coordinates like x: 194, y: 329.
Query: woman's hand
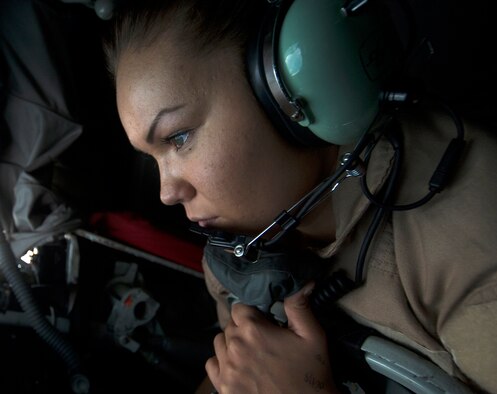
x: 254, y: 355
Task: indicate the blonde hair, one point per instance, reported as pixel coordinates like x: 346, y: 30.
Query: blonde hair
x: 203, y: 24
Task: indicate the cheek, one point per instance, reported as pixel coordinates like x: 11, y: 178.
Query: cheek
x: 224, y: 179
x: 219, y: 176
x: 239, y: 185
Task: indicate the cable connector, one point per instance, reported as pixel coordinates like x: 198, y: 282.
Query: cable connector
x: 447, y: 164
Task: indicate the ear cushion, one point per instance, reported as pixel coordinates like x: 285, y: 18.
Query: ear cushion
x: 256, y: 73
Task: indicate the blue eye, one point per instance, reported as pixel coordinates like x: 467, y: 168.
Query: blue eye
x: 178, y: 140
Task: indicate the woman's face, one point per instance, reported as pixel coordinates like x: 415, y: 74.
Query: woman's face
x: 216, y: 151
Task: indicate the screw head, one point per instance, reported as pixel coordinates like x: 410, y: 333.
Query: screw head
x: 239, y: 250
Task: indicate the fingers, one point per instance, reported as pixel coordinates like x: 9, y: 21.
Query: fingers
x: 212, y: 369
x: 241, y: 314
x: 212, y: 365
x: 301, y: 319
x: 253, y: 352
x: 220, y: 344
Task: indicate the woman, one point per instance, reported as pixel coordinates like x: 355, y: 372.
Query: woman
x: 431, y: 278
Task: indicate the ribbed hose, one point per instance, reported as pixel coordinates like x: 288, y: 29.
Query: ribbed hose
x: 79, y: 382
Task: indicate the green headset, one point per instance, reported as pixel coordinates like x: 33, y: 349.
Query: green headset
x: 317, y: 68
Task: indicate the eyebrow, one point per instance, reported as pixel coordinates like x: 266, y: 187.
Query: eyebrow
x: 155, y: 122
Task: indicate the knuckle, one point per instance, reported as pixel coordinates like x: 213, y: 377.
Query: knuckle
x: 218, y: 339
x: 252, y: 332
x: 237, y: 346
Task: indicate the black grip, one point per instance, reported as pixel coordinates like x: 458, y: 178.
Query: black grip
x: 446, y: 167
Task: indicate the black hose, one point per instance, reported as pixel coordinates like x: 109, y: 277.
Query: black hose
x: 79, y: 382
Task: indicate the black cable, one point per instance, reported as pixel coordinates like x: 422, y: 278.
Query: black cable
x: 78, y: 381
x: 330, y: 290
x: 289, y: 222
x: 354, y: 156
x: 442, y: 173
x: 395, y: 140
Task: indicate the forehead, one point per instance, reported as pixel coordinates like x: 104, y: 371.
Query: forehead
x: 168, y: 74
x: 152, y: 78
x: 145, y: 72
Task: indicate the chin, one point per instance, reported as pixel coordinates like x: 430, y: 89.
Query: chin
x: 231, y: 228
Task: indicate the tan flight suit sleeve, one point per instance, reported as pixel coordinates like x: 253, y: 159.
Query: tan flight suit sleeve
x: 471, y: 336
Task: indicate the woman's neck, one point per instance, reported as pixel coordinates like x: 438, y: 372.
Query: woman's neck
x: 318, y: 226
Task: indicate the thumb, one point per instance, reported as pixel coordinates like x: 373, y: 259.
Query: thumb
x: 301, y: 320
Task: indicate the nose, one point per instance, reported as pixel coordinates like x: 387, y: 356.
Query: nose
x: 175, y: 190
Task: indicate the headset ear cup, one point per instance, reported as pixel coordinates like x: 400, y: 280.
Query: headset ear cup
x: 310, y: 61
x: 256, y: 73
